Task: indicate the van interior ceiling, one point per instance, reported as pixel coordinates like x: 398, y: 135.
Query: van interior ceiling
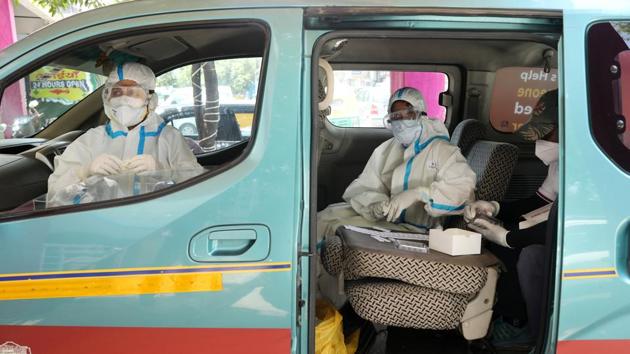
x: 470, y: 60
x: 163, y: 50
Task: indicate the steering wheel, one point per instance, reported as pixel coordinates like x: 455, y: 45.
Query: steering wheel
x: 48, y: 150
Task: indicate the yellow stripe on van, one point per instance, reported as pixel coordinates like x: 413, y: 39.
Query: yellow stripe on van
x: 111, y: 286
x: 126, y: 281
x: 590, y: 273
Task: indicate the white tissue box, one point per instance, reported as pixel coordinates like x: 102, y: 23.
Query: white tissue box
x: 456, y: 242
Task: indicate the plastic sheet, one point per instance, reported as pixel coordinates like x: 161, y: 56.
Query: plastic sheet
x: 329, y: 337
x: 102, y: 188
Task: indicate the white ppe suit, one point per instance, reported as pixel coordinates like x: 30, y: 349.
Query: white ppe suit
x: 431, y: 166
x: 152, y: 136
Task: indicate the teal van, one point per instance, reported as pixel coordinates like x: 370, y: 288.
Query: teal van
x: 225, y: 261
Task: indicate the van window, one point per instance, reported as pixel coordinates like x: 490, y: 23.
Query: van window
x: 360, y: 97
x: 609, y: 88
x: 184, y: 99
x: 31, y: 104
x: 86, y: 158
x: 515, y: 94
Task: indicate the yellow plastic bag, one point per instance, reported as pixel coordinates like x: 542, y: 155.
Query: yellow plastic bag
x: 329, y: 332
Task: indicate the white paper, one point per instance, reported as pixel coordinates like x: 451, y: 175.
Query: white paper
x: 535, y: 217
x: 389, y: 234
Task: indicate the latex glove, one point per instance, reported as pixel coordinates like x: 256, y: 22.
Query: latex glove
x: 141, y: 163
x: 379, y: 209
x: 480, y: 206
x: 490, y: 231
x: 403, y: 201
x: 105, y: 165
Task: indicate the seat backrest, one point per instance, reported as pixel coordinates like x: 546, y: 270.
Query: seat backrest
x: 493, y: 162
x: 466, y: 134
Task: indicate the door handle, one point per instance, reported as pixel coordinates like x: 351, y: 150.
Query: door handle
x: 230, y: 242
x: 236, y: 243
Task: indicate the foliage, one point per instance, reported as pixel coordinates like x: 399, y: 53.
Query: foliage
x: 240, y: 74
x: 57, y: 6
x: 175, y: 78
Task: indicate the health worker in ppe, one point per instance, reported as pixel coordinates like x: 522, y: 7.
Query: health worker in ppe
x: 410, y: 182
x: 134, y: 141
x: 418, y: 175
x: 522, y: 249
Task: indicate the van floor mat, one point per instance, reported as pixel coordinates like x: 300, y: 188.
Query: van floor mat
x: 412, y: 341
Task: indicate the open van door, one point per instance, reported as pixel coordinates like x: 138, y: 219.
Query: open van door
x: 593, y: 311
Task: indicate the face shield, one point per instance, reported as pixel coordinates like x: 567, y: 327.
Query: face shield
x: 126, y: 103
x: 124, y: 94
x: 407, y: 118
x: 406, y: 125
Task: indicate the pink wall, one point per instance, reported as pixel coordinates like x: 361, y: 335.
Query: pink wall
x: 7, y: 24
x: 13, y: 100
x: 430, y: 84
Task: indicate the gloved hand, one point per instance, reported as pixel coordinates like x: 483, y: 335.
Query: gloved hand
x: 490, y: 231
x: 105, y: 165
x: 379, y: 209
x: 141, y: 163
x: 480, y: 206
x: 404, y: 200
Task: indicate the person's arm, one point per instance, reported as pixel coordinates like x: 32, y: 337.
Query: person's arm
x: 180, y: 157
x: 369, y: 188
x: 453, y: 187
x: 70, y: 168
x: 511, y: 212
x: 534, y: 235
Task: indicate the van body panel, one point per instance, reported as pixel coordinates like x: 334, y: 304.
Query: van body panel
x: 132, y: 261
x: 594, y: 289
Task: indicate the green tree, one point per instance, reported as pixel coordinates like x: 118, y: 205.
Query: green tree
x: 239, y: 74
x: 57, y: 6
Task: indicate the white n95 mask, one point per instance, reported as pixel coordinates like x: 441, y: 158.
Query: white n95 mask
x: 405, y: 134
x: 127, y: 111
x: 546, y: 151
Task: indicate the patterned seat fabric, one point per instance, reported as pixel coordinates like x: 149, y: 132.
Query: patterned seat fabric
x: 466, y: 133
x: 395, y: 303
x: 407, y: 290
x: 493, y: 163
x: 359, y: 264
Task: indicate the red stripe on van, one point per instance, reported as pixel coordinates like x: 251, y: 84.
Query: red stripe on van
x: 593, y: 346
x: 101, y: 340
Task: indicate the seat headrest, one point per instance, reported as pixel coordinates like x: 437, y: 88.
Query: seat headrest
x: 466, y: 133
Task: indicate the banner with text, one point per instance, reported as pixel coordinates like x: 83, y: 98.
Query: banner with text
x: 515, y: 94
x: 65, y: 86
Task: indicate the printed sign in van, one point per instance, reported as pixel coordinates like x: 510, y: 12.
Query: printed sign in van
x: 515, y: 94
